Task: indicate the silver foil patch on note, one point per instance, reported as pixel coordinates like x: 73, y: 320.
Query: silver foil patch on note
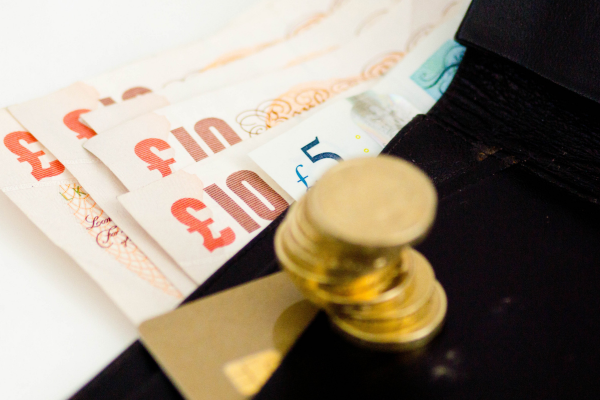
x: 381, y: 115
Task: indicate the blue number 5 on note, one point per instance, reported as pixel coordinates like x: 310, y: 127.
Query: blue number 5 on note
x: 437, y: 72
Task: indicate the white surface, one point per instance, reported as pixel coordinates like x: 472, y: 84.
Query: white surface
x: 57, y: 328
x: 46, y: 45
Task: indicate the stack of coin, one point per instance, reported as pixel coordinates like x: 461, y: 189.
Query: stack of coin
x: 347, y: 246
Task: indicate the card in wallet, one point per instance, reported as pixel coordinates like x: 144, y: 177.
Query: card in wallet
x: 227, y: 345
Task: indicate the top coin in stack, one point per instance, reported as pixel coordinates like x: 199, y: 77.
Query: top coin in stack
x: 381, y: 204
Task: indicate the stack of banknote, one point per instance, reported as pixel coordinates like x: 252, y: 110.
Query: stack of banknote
x: 153, y: 175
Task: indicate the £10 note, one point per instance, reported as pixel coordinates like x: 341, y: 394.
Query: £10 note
x: 55, y: 201
x: 53, y: 121
x: 361, y: 125
x: 203, y: 214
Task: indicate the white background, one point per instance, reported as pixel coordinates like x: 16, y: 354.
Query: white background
x: 57, y: 328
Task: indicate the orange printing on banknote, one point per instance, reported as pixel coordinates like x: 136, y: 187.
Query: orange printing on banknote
x: 235, y: 54
x: 311, y: 56
x: 71, y: 121
x: 236, y: 183
x: 248, y: 51
x: 304, y: 97
x: 112, y: 239
x: 267, y: 115
x: 108, y: 236
x: 12, y: 141
x: 426, y: 30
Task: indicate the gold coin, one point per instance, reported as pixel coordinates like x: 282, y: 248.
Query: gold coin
x: 326, y: 259
x: 306, y: 229
x: 318, y: 265
x: 341, y: 255
x: 306, y: 243
x: 303, y: 251
x: 326, y: 256
x: 307, y: 250
x: 323, y: 288
x: 373, y: 202
x: 363, y: 289
x: 334, y: 251
x: 407, y: 296
x: 402, y: 334
x: 309, y: 266
x: 314, y: 292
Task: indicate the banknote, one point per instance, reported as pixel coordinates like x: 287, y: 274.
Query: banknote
x: 349, y: 20
x: 155, y: 145
x: 268, y: 24
x: 362, y: 125
x: 202, y: 215
x: 53, y: 121
x: 55, y: 201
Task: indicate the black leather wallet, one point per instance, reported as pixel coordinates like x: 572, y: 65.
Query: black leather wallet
x: 512, y: 148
